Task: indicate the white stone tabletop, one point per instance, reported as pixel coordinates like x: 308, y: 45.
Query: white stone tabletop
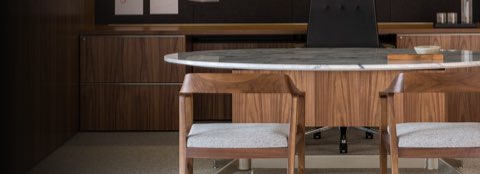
x: 319, y: 59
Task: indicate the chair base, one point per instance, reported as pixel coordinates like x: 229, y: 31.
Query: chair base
x: 343, y: 146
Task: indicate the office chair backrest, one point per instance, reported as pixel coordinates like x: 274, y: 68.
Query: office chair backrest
x: 342, y: 23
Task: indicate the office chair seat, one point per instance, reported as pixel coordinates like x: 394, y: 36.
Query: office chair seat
x: 438, y: 135
x: 238, y: 135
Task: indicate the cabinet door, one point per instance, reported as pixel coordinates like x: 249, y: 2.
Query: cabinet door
x: 446, y: 41
x: 130, y: 59
x: 128, y: 107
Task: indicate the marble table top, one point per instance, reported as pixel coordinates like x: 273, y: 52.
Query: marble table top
x: 319, y: 59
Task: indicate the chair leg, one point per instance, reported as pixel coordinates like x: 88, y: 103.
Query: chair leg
x: 186, y: 166
x: 394, y: 161
x: 383, y: 158
x: 301, y: 155
x: 291, y: 161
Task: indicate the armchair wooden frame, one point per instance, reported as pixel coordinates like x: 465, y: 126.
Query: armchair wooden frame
x: 421, y: 83
x: 241, y: 83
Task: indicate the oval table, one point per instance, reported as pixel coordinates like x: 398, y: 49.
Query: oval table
x: 341, y: 84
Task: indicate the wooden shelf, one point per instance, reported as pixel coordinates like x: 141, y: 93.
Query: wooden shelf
x: 260, y: 29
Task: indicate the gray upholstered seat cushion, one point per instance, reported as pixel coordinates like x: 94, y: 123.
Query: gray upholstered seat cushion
x: 237, y: 135
x: 438, y: 135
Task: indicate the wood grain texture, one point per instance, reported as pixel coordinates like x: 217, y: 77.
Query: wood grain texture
x: 472, y: 152
x: 437, y: 82
x: 423, y: 108
x: 446, y: 41
x: 422, y: 83
x: 215, y: 83
x: 349, y: 98
x: 129, y: 107
x: 210, y: 107
x: 241, y: 45
x: 417, y: 57
x: 458, y: 106
x: 42, y: 104
x: 130, y: 59
x: 273, y: 107
x: 463, y: 106
x: 185, y: 124
x: 338, y: 99
x: 237, y: 153
x: 242, y: 84
x: 382, y: 131
x: 150, y: 104
x: 219, y: 106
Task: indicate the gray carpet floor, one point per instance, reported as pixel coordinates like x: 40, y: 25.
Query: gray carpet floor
x: 157, y: 152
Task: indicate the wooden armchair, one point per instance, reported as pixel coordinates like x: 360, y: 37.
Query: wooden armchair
x: 240, y: 140
x: 428, y: 139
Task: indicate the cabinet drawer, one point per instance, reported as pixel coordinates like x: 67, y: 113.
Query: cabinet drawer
x: 130, y: 59
x: 128, y: 107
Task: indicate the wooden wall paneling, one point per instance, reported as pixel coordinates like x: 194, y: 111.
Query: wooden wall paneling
x: 129, y: 107
x: 463, y: 106
x: 43, y: 78
x: 446, y: 41
x: 131, y: 59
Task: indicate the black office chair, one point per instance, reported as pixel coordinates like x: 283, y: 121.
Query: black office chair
x: 342, y: 23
